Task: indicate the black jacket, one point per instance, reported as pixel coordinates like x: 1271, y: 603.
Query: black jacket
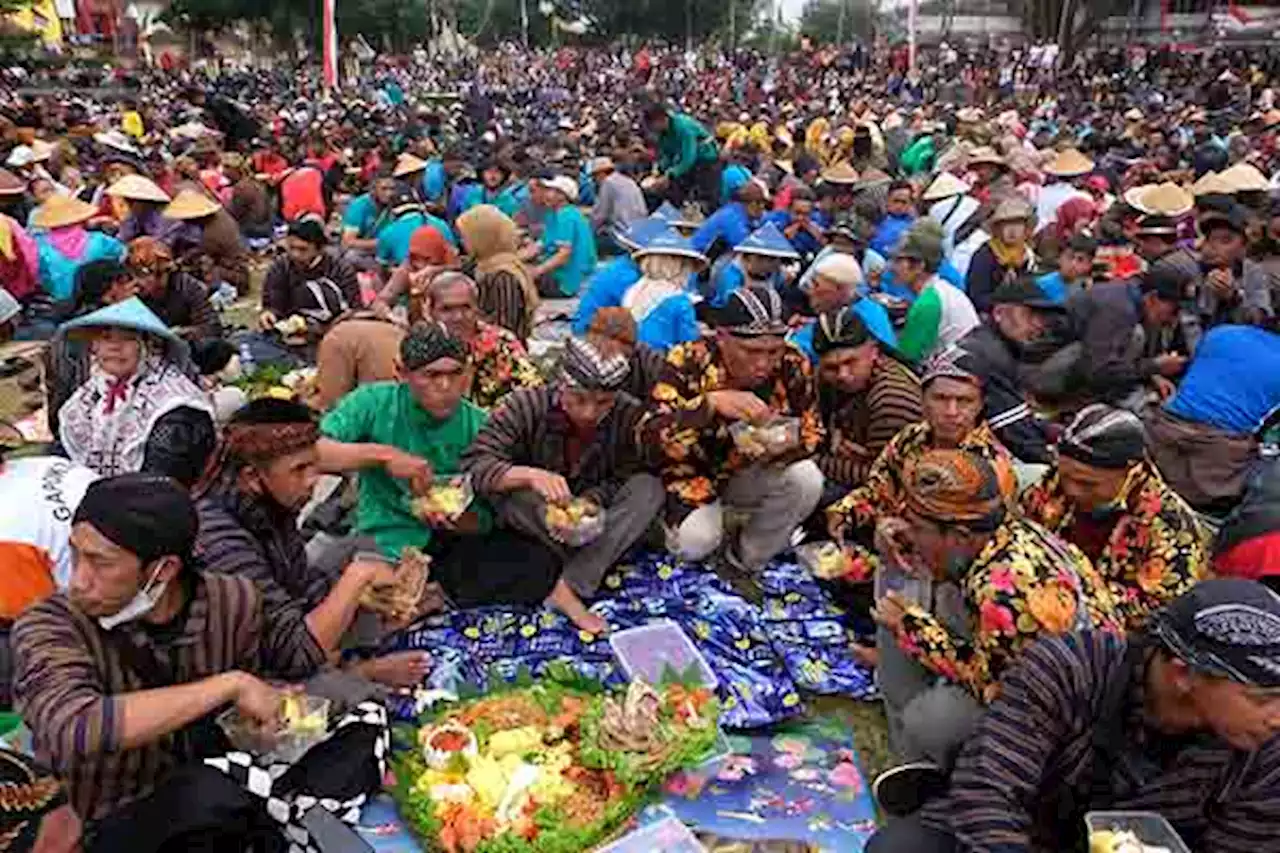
x: 992, y: 356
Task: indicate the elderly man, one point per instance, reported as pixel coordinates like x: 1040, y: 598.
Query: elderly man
x: 576, y: 439
x: 1104, y: 497
x: 499, y: 363
x: 1183, y: 720
x: 248, y: 501
x: 619, y: 202
x: 833, y: 285
x: 1020, y: 315
x: 119, y: 677
x: 309, y: 282
x: 867, y: 396
x: 400, y: 436
x: 1017, y: 583
x: 745, y: 374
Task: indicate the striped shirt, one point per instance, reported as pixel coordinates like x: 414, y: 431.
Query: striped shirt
x: 860, y: 425
x: 531, y: 429
x: 502, y: 302
x: 1027, y: 775
x: 69, y: 673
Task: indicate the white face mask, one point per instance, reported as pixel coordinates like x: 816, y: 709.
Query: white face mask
x: 141, y: 604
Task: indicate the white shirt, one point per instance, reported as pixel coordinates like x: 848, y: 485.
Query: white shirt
x: 47, y: 489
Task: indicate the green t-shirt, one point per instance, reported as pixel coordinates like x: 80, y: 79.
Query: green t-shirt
x: 386, y: 413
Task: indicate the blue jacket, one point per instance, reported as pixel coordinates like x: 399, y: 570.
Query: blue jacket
x: 730, y: 224
x: 889, y: 233
x: 673, y: 322
x: 605, y: 289
x: 804, y: 242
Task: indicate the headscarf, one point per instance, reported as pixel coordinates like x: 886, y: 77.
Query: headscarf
x: 429, y: 244
x: 427, y: 342
x: 1104, y: 437
x: 752, y: 310
x: 106, y: 422
x: 262, y: 430
x: 1071, y: 214
x: 839, y: 329
x: 584, y: 366
x: 955, y: 487
x: 492, y: 237
x: 1225, y: 627
x: 148, y: 255
x: 147, y: 515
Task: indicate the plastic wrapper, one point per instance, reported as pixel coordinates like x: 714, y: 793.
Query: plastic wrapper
x: 1132, y: 832
x: 449, y: 497
x: 303, y: 723
x: 767, y: 439
x: 576, y: 523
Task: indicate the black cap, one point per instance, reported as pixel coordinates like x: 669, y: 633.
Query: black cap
x: 1234, y: 218
x: 1083, y: 243
x: 1157, y: 225
x: 1024, y: 291
x: 1167, y: 283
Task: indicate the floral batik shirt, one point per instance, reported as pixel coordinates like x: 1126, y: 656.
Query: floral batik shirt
x: 1154, y: 552
x: 882, y: 494
x: 1025, y: 584
x: 697, y: 450
x: 501, y: 364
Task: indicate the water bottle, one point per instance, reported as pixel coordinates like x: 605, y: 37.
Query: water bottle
x: 246, y: 358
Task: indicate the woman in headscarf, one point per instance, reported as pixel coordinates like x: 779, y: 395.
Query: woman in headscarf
x: 64, y: 245
x: 137, y: 411
x: 659, y: 302
x: 1076, y: 216
x: 508, y: 293
x: 429, y: 255
x: 1105, y: 497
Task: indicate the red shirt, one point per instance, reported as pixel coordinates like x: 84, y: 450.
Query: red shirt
x: 302, y: 192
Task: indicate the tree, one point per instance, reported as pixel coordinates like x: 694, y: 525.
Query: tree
x: 1070, y: 23
x: 837, y: 21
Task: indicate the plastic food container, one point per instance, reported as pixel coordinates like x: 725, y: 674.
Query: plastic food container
x: 825, y: 560
x: 304, y: 724
x: 1150, y: 828
x: 910, y: 587
x: 449, y: 496
x: 668, y: 835
x: 765, y: 439
x: 646, y: 652
x: 576, y: 523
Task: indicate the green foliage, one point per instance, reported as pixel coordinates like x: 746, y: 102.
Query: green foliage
x: 821, y: 21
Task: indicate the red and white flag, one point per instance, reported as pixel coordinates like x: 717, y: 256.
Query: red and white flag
x: 330, y: 47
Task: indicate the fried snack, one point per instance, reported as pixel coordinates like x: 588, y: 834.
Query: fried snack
x: 575, y: 523
x: 400, y: 601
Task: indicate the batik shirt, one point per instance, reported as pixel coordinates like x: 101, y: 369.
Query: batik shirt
x: 1154, y: 553
x: 501, y: 364
x: 1025, y: 584
x: 882, y: 493
x: 698, y: 451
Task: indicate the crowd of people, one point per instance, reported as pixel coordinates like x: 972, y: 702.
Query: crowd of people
x: 1002, y: 327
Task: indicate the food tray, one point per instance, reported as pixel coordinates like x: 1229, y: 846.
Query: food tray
x: 585, y: 531
x: 428, y: 505
x: 668, y: 835
x: 825, y: 560
x: 773, y: 437
x: 1151, y: 828
x: 280, y: 745
x: 646, y: 651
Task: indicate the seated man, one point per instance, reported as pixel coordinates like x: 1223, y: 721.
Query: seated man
x: 309, y: 282
x: 745, y: 373
x: 1020, y: 314
x: 119, y: 677
x: 1181, y: 720
x: 361, y: 347
x: 576, y: 439
x: 757, y: 260
x: 866, y: 395
x: 1203, y: 439
x: 499, y: 363
x: 951, y: 402
x: 831, y: 284
x: 248, y: 503
x: 1104, y: 497
x: 401, y: 435
x: 1017, y: 583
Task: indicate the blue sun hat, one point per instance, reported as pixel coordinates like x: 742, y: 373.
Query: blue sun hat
x: 638, y: 234
x: 667, y: 212
x: 767, y: 240
x: 130, y: 314
x: 669, y: 242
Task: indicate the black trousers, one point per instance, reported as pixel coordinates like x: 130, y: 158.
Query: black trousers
x: 500, y: 567
x: 908, y: 835
x: 700, y: 184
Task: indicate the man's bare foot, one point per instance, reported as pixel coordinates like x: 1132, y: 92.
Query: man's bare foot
x: 564, y: 599
x: 401, y: 669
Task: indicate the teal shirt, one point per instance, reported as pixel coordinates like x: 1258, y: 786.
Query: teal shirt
x: 683, y: 145
x: 361, y: 216
x: 386, y: 413
x: 393, y: 239
x: 567, y: 226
